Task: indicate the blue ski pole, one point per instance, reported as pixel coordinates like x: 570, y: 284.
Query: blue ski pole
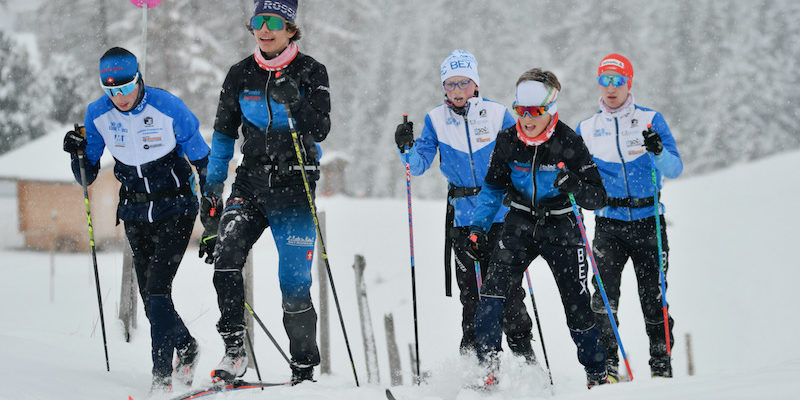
x: 597, y: 276
x: 661, y: 274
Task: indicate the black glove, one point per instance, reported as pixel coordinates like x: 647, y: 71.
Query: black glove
x: 476, y: 245
x: 404, y: 136
x: 652, y: 141
x: 210, y: 213
x: 567, y: 182
x: 285, y: 91
x: 75, y: 142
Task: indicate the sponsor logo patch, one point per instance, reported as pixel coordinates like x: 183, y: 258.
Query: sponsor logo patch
x: 119, y: 140
x: 523, y: 168
x: 601, y: 132
x: 294, y: 240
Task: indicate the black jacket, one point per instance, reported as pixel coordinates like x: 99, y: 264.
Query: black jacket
x: 245, y: 101
x: 527, y: 174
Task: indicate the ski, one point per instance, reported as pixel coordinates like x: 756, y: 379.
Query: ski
x: 223, y: 387
x: 389, y: 395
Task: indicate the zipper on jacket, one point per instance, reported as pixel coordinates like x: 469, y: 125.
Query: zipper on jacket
x: 469, y: 146
x: 139, y: 171
x: 269, y: 124
x: 533, y: 192
x: 622, y: 162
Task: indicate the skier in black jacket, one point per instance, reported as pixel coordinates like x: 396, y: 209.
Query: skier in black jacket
x: 540, y: 222
x: 268, y: 190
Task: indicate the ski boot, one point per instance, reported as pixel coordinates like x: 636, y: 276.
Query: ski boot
x: 161, y: 384
x: 185, y: 363
x: 301, y: 374
x: 596, y: 378
x: 613, y: 372
x: 234, y: 362
x: 660, y: 367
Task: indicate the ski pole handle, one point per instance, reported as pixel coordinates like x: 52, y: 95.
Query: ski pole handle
x: 405, y: 121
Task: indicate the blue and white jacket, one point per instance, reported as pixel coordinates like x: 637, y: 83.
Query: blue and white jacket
x: 148, y: 144
x: 465, y: 145
x: 616, y: 143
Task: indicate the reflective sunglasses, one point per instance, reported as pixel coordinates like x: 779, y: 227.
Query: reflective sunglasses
x: 125, y: 89
x: 273, y: 23
x: 614, y: 80
x: 450, y: 86
x: 531, y: 111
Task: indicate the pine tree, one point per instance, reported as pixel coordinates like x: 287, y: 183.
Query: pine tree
x: 24, y: 99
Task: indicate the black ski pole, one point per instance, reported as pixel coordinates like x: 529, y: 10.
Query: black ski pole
x: 82, y: 130
x: 264, y: 327
x: 296, y: 142
x: 253, y: 353
x: 539, y: 326
x: 411, y: 247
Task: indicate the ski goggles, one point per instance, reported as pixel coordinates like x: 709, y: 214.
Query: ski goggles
x: 125, y: 89
x: 613, y: 80
x: 450, y: 86
x: 273, y: 23
x: 531, y: 111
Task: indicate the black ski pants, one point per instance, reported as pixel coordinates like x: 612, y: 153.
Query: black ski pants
x: 558, y: 241
x: 157, y: 249
x: 614, y: 243
x: 516, y: 322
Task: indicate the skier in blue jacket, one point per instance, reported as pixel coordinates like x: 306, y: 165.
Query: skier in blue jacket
x: 463, y: 129
x: 626, y: 150
x: 524, y: 169
x: 150, y: 133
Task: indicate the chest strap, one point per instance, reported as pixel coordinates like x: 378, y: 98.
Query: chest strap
x: 630, y: 202
x: 462, y: 191
x: 541, y: 211
x: 140, y: 197
x: 277, y: 168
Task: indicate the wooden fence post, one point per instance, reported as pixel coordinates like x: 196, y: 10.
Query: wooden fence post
x: 413, y: 359
x: 395, y: 369
x: 689, y: 356
x: 367, y: 333
x: 324, y: 321
x: 129, y: 293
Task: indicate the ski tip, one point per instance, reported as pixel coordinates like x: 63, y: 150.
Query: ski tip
x: 130, y: 397
x: 389, y: 395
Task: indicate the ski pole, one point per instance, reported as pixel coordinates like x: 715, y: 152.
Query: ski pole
x: 411, y: 249
x: 253, y: 353
x: 264, y: 327
x: 661, y: 273
x: 296, y: 142
x: 81, y: 130
x: 539, y: 326
x: 597, y: 276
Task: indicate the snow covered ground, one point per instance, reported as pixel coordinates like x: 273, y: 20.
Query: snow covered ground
x: 731, y: 285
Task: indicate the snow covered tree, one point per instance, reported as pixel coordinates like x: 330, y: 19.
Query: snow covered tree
x: 24, y: 98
